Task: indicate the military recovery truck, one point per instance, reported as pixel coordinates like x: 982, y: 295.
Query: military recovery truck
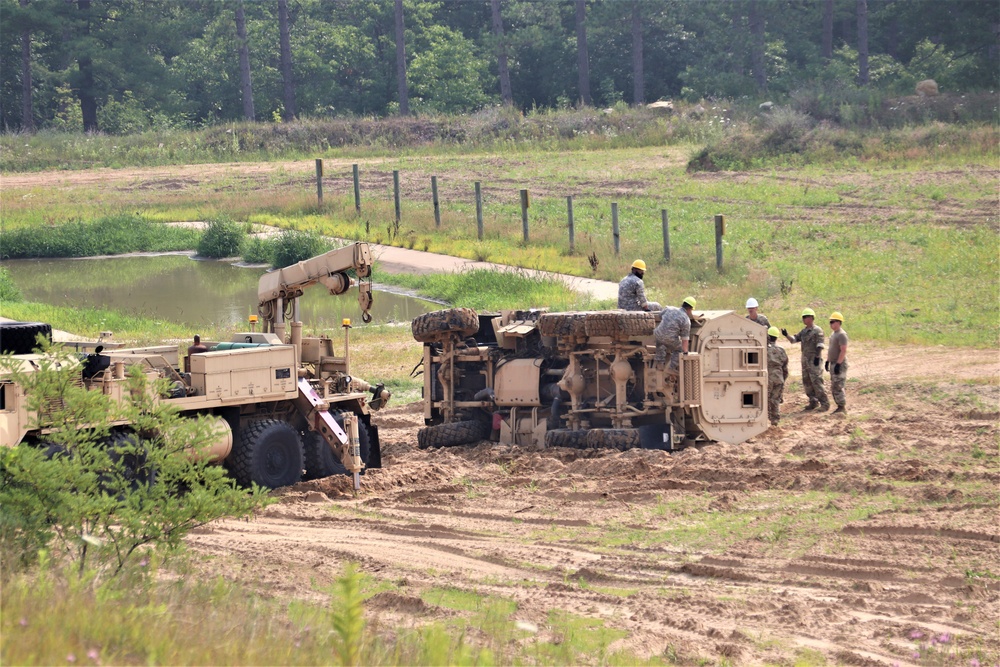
x: 588, y: 380
x: 282, y: 402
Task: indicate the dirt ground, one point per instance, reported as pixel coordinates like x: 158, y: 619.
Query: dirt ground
x: 866, y: 540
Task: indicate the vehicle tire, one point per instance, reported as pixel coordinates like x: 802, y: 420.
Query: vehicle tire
x: 613, y: 438
x: 622, y: 324
x: 319, y: 457
x: 564, y: 437
x: 441, y: 325
x: 19, y: 337
x: 562, y: 324
x: 268, y: 453
x: 453, y: 434
x: 127, y: 450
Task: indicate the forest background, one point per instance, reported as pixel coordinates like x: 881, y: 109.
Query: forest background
x: 126, y: 66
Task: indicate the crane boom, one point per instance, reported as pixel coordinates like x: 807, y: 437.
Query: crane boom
x: 278, y: 289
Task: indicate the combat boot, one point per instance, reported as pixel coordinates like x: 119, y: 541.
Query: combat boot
x: 812, y: 406
x: 824, y: 407
x: 841, y: 409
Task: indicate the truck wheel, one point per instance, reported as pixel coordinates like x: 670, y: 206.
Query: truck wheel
x: 319, y: 457
x: 562, y: 324
x: 621, y: 324
x: 128, y: 451
x: 564, y: 437
x: 453, y: 434
x: 613, y: 438
x: 443, y: 324
x: 19, y: 337
x: 268, y: 453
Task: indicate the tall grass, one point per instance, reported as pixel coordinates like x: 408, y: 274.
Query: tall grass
x: 111, y: 235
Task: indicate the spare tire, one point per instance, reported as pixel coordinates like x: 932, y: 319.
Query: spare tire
x: 562, y: 324
x: 441, y: 325
x: 621, y: 324
x: 453, y: 434
x: 19, y: 337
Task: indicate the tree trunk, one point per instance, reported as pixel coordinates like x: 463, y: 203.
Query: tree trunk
x: 404, y: 93
x: 863, y: 42
x: 757, y: 45
x: 286, y: 61
x: 244, y: 50
x: 583, y: 62
x: 27, y: 107
x: 638, y: 78
x: 88, y: 103
x: 504, y: 72
x: 827, y: 39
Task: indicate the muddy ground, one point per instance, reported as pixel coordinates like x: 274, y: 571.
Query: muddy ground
x: 871, y: 539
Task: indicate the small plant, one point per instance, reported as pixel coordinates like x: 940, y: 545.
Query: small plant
x: 8, y: 290
x: 222, y: 238
x: 293, y: 246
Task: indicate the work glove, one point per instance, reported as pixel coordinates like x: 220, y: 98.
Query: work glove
x: 816, y: 361
x: 836, y: 369
x: 784, y: 332
x: 826, y: 366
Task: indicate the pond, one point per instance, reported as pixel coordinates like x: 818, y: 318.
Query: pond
x: 199, y: 293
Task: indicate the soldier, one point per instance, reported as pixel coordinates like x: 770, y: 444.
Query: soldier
x: 673, y: 333
x: 631, y: 291
x: 777, y: 373
x: 811, y: 338
x: 754, y: 316
x: 836, y: 362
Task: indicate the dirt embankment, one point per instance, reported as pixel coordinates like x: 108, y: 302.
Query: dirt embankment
x: 860, y: 538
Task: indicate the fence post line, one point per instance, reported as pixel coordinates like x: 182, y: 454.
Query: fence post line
x: 395, y: 192
x: 319, y: 180
x: 524, y: 214
x: 720, y: 229
x: 569, y: 219
x: 479, y: 210
x: 357, y: 190
x: 437, y: 202
x: 666, y: 236
x: 614, y: 227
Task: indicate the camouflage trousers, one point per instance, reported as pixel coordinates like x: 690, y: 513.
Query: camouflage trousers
x: 812, y: 383
x: 668, y: 346
x: 775, y: 389
x: 837, y: 383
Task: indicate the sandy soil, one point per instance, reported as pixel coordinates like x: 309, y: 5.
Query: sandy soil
x: 603, y: 535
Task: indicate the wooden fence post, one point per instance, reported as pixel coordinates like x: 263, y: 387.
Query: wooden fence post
x: 666, y: 236
x: 479, y: 210
x: 357, y: 190
x: 395, y: 193
x: 319, y: 180
x: 720, y: 229
x: 437, y: 203
x: 569, y: 219
x: 614, y: 228
x: 524, y: 214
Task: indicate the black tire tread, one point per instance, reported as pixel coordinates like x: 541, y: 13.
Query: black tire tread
x: 440, y: 325
x: 562, y: 324
x: 19, y: 337
x: 453, y: 434
x: 319, y: 458
x: 244, y: 458
x: 620, y: 324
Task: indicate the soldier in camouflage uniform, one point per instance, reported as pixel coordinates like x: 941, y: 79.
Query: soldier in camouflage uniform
x: 631, y: 291
x: 673, y: 333
x: 811, y: 338
x: 836, y: 362
x: 777, y: 373
x: 754, y: 316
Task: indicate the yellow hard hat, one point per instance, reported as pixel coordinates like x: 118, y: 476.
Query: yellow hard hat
x: 639, y: 264
x: 808, y: 312
x: 690, y: 301
x: 774, y: 331
x: 837, y: 316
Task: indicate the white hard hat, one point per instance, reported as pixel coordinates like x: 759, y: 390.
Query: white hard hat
x: 752, y: 303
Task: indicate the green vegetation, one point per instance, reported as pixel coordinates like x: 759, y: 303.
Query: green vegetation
x: 9, y: 292
x: 222, y: 238
x: 113, y: 234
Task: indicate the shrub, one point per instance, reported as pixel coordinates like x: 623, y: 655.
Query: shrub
x: 101, y: 494
x: 113, y: 235
x: 294, y: 246
x: 223, y: 238
x: 258, y: 250
x: 8, y: 290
